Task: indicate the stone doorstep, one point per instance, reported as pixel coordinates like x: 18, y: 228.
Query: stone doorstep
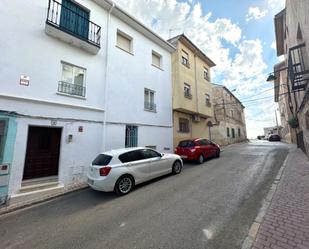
x: 23, y: 200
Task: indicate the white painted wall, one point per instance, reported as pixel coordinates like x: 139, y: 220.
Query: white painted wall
x: 27, y: 50
x: 75, y: 157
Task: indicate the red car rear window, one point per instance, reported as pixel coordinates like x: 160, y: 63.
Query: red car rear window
x: 186, y: 143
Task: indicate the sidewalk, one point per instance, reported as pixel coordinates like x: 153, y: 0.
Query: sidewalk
x: 286, y: 222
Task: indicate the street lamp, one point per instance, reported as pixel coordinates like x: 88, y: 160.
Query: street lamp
x: 271, y: 78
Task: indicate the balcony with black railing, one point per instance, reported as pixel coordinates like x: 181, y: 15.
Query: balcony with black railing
x: 298, y: 68
x: 71, y: 89
x: 150, y: 106
x: 70, y: 22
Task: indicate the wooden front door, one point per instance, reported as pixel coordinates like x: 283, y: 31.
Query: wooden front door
x: 42, y: 156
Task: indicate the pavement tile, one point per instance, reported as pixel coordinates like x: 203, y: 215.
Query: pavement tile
x: 286, y: 222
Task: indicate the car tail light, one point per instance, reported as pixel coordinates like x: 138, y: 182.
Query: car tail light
x: 105, y: 171
x: 175, y: 150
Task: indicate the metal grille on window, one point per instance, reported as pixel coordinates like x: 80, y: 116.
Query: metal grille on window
x: 3, y: 124
x: 297, y: 68
x: 131, y: 136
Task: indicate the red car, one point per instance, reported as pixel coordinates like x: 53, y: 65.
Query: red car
x: 197, y: 149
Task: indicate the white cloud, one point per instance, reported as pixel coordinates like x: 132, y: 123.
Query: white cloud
x: 276, y: 5
x: 255, y: 13
x: 273, y: 45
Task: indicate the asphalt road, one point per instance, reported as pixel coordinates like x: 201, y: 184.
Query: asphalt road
x: 206, y: 206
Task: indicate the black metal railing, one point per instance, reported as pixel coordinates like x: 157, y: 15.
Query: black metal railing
x: 73, y: 23
x: 297, y: 68
x: 188, y: 95
x: 150, y: 106
x: 72, y: 89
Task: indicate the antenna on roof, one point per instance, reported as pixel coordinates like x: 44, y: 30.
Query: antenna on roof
x: 171, y: 30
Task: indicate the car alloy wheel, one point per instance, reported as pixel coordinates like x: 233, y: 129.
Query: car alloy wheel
x: 201, y: 159
x: 124, y: 185
x: 177, y: 167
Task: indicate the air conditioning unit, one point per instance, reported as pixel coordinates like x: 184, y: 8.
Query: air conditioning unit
x: 196, y: 118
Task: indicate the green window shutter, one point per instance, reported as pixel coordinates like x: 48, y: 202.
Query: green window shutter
x: 74, y: 18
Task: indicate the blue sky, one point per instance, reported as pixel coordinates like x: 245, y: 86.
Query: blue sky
x: 238, y: 35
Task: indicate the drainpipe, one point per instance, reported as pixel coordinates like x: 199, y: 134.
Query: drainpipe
x: 106, y: 76
x: 195, y: 79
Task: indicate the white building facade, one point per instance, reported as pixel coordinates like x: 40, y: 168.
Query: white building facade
x: 77, y: 77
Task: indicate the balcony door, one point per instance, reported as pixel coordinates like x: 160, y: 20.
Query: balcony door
x: 74, y: 19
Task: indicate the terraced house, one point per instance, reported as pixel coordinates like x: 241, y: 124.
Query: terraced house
x: 192, y: 90
x: 77, y: 78
x: 229, y: 124
x: 292, y: 75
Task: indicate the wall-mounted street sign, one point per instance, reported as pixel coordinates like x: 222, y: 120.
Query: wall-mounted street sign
x: 24, y: 80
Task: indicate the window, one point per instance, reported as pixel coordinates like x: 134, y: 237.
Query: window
x: 102, y: 160
x: 186, y: 143
x: 184, y: 125
x: 72, y: 80
x: 232, y: 113
x: 233, y: 133
x: 185, y: 58
x: 239, y: 134
x: 204, y: 142
x: 228, y: 132
x: 150, y: 154
x: 206, y: 73
x: 149, y: 104
x: 187, y: 91
x: 131, y: 136
x: 124, y: 41
x: 131, y: 156
x: 3, y: 128
x: 74, y: 18
x: 207, y: 100
x: 156, y: 59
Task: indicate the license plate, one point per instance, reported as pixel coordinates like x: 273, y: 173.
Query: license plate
x: 91, y: 182
x: 184, y: 157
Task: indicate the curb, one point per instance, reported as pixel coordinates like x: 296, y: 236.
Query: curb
x: 249, y: 240
x: 25, y: 204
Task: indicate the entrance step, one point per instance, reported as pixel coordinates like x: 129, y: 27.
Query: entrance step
x: 38, y: 184
x: 41, y: 193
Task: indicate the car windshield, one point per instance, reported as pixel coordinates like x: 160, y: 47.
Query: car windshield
x: 186, y: 143
x: 102, y: 160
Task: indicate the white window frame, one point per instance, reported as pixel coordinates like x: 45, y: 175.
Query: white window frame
x: 207, y: 99
x: 206, y: 73
x: 126, y: 36
x: 148, y: 104
x: 154, y: 53
x: 187, y: 94
x: 62, y: 63
x: 185, y: 60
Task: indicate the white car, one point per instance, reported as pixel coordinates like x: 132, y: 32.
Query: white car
x: 119, y: 170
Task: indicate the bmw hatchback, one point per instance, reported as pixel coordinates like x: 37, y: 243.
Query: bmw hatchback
x: 120, y: 170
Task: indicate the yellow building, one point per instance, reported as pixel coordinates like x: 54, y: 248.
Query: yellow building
x: 192, y: 90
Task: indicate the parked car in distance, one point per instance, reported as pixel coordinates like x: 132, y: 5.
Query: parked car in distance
x: 120, y: 170
x: 197, y: 149
x: 274, y: 137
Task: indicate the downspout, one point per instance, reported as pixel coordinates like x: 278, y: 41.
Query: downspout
x: 195, y: 79
x: 105, y: 77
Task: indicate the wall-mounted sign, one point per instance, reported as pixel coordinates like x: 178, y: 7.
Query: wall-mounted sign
x: 24, y: 80
x: 80, y: 128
